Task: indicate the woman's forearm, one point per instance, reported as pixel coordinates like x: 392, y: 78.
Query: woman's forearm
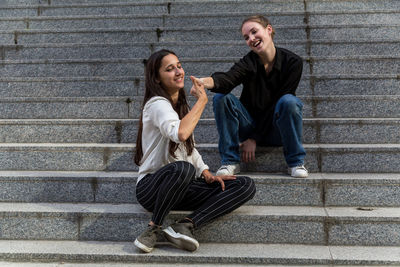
x: 189, y: 122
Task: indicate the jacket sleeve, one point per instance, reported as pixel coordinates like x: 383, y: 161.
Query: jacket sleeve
x: 224, y: 82
x: 164, y: 117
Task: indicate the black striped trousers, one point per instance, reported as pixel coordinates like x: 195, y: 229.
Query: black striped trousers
x: 174, y: 187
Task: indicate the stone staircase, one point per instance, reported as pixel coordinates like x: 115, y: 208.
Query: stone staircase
x: 71, y: 85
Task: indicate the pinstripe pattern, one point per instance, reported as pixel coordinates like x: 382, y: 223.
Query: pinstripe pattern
x: 174, y: 187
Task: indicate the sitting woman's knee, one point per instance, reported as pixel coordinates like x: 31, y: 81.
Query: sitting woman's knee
x: 185, y: 171
x: 220, y: 99
x: 290, y: 104
x: 248, y: 187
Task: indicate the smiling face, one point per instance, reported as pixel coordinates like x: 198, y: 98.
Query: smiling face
x: 257, y: 37
x: 171, y: 74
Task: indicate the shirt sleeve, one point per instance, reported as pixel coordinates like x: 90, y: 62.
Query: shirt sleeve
x: 164, y: 117
x: 198, y: 162
x: 224, y: 82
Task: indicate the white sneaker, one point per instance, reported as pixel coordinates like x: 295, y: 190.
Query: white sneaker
x: 298, y: 172
x: 228, y: 169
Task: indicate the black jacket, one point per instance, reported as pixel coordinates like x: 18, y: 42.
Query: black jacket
x: 260, y: 91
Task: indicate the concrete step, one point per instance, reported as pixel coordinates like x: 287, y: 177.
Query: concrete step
x: 318, y: 49
x: 356, y: 65
x: 318, y: 85
x: 344, y: 17
x: 337, y: 106
x: 198, y: 66
x: 368, y: 106
x: 386, y: 106
x: 104, y: 86
x: 334, y: 32
x: 143, y: 7
x: 341, y: 158
x: 353, y: 84
x: 139, y: 20
x: 101, y: 254
x: 117, y: 20
x: 67, y: 157
x: 330, y: 158
x: 13, y: 10
x: 137, y: 50
x: 363, y: 190
x: 123, y: 222
x: 341, y: 48
x: 334, y: 5
x: 138, y: 35
x: 324, y: 131
x: 68, y: 131
x: 68, y: 108
x: 181, y: 34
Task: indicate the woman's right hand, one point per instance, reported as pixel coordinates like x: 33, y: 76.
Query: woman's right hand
x: 197, y: 89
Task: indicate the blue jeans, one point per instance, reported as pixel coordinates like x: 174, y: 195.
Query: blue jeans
x: 235, y: 125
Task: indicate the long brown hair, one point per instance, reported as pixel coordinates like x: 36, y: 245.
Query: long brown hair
x: 154, y: 88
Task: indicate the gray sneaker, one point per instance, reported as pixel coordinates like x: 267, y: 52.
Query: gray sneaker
x: 147, y: 240
x: 181, y: 235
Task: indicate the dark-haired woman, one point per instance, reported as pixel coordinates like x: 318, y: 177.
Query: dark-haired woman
x: 268, y: 112
x: 170, y: 164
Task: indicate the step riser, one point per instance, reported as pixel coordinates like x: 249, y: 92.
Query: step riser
x: 120, y: 109
x: 158, y: 21
x: 357, y: 132
x: 147, y: 35
x: 134, y: 86
x: 345, y: 19
x: 174, y: 35
x: 68, y: 159
x: 355, y: 5
x: 211, y: 21
x: 204, y: 67
x: 89, y: 132
x: 84, y: 10
x: 199, y: 50
x: 276, y: 192
x: 71, y: 88
x: 69, y: 109
x: 113, y: 51
x: 315, y: 230
x: 391, y: 32
x: 340, y: 107
x: 267, y: 159
x: 354, y: 86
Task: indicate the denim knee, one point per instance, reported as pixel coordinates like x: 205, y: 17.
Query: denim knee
x: 222, y: 99
x: 289, y: 104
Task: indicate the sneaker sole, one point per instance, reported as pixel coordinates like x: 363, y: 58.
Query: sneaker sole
x: 180, y: 240
x: 143, y: 247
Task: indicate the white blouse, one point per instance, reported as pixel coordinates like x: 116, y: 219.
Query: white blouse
x: 160, y: 125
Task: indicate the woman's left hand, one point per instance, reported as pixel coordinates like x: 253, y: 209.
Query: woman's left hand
x: 220, y: 179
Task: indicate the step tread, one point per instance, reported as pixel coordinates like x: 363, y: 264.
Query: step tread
x: 359, y: 178
x: 271, y: 212
x: 207, y: 253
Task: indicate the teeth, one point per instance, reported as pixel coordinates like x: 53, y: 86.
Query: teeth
x: 256, y: 44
